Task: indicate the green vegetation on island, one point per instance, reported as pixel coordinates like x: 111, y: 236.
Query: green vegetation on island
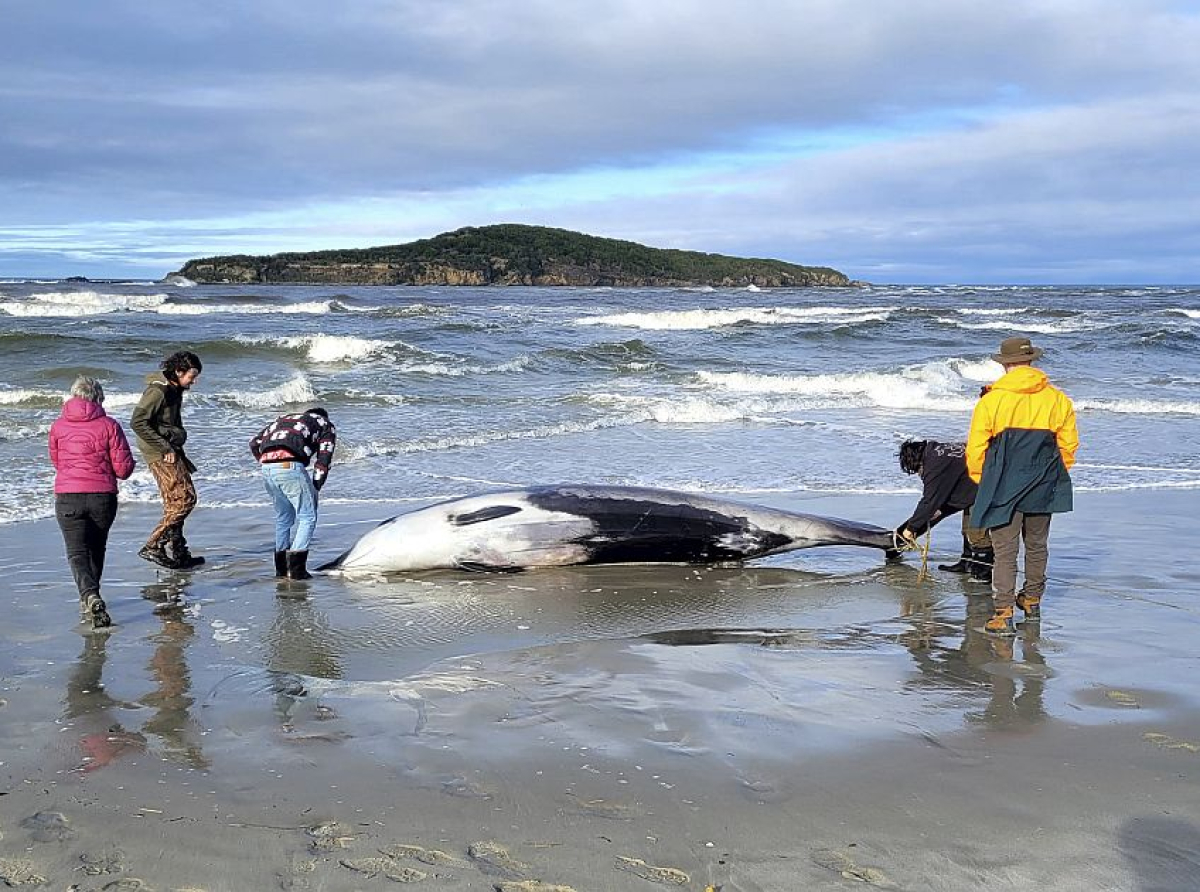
x: 509, y: 254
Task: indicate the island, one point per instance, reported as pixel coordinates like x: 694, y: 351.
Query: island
x: 509, y: 254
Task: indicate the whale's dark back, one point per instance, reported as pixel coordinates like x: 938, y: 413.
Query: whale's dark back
x: 639, y: 526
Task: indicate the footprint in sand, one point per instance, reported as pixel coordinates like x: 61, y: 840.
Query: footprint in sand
x: 1123, y: 698
x: 296, y: 876
x: 1171, y: 743
x: 19, y: 873
x: 531, y: 886
x: 667, y: 875
x: 95, y: 863
x: 493, y: 858
x: 329, y: 835
x: 48, y: 826
x: 461, y: 788
x: 385, y: 867
x: 842, y: 863
x: 432, y: 857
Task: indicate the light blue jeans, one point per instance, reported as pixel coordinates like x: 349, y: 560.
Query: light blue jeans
x: 295, y: 499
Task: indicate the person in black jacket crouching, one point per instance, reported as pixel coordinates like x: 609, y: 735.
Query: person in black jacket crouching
x: 946, y: 490
x: 284, y: 449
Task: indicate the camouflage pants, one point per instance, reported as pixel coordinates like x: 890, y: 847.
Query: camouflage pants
x: 179, y: 498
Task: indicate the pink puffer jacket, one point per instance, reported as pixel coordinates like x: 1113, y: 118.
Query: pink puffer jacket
x: 88, y: 449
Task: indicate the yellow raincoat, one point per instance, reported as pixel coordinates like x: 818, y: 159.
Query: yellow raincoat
x: 1023, y: 399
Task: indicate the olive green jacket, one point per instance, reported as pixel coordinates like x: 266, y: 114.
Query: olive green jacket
x: 158, y: 420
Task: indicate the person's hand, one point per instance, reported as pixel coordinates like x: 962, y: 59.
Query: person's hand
x: 905, y: 538
x: 169, y: 458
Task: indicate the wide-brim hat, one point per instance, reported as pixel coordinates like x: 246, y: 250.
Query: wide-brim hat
x: 1014, y: 350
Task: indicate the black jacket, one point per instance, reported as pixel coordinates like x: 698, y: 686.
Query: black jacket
x: 947, y: 488
x: 302, y: 437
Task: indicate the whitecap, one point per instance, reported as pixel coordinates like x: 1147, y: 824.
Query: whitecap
x: 933, y: 387
x: 204, y: 309
x: 54, y: 304
x: 1141, y: 407
x: 290, y: 393
x: 692, y: 320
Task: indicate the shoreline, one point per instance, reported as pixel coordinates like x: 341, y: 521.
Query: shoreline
x: 805, y: 722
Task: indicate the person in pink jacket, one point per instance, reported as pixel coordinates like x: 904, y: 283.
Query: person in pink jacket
x: 90, y: 454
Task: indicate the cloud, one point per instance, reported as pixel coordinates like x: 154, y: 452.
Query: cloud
x: 921, y: 136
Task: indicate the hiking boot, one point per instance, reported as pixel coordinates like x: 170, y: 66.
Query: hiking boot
x: 157, y: 554
x: 281, y: 565
x: 183, y: 555
x: 1001, y: 623
x: 1031, y: 605
x: 98, y: 611
x: 963, y: 564
x: 297, y: 565
x: 189, y: 561
x: 981, y: 564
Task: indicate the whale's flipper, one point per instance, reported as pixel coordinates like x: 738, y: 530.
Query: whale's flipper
x: 480, y: 567
x: 490, y: 513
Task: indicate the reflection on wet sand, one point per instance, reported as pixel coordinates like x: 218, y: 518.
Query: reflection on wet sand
x: 969, y: 660
x: 171, y: 724
x: 299, y: 644
x: 171, y: 699
x: 104, y: 739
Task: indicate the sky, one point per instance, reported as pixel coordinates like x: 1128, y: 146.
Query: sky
x: 900, y: 141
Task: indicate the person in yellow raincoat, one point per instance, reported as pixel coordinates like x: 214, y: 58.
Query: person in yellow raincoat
x: 1021, y: 445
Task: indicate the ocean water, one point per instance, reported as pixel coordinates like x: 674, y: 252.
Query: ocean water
x: 440, y: 392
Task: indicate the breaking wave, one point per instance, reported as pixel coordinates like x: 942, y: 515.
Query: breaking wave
x: 692, y: 320
x: 72, y: 304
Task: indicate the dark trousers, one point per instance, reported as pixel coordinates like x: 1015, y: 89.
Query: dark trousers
x: 85, y: 519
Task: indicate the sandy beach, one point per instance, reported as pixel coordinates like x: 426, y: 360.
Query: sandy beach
x: 820, y: 721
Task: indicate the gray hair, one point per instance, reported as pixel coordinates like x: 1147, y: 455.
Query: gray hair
x: 88, y: 388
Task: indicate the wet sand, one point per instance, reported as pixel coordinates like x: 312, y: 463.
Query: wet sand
x: 820, y: 721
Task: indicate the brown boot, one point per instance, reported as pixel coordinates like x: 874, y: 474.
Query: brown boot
x: 1001, y: 623
x: 1031, y: 605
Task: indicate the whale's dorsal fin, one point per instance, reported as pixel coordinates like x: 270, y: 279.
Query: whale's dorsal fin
x: 489, y: 513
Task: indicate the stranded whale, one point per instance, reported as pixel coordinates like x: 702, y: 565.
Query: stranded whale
x: 557, y: 526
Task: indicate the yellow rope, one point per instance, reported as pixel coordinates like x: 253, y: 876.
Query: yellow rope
x: 924, y: 574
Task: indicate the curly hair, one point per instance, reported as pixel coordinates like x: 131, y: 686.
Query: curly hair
x: 911, y: 454
x: 178, y: 363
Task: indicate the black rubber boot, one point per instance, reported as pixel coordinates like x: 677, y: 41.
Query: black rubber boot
x: 963, y: 564
x: 281, y: 565
x: 297, y: 565
x: 981, y: 564
x: 157, y: 554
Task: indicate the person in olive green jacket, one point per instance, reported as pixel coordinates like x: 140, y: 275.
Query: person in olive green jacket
x: 158, y: 423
